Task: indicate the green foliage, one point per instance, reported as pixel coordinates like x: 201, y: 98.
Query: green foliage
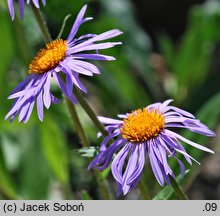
x: 88, y: 152
x: 85, y: 195
x: 190, y: 60
x: 33, y: 176
x: 55, y: 149
x: 6, y: 187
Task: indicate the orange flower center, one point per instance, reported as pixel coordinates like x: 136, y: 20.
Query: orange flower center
x: 142, y: 125
x: 49, y: 57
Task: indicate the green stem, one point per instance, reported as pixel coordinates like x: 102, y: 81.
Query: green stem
x: 42, y: 24
x: 103, y: 185
x: 77, y: 123
x: 21, y: 43
x: 67, y: 192
x: 178, y: 190
x: 143, y: 190
x: 8, y: 196
x: 90, y: 112
x: 101, y: 182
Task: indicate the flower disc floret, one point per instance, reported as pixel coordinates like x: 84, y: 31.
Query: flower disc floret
x: 49, y: 57
x: 142, y: 125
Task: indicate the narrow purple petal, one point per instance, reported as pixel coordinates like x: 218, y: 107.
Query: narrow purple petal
x: 107, y: 139
x: 199, y: 130
x: 140, y: 163
x: 44, y: 2
x: 105, y: 120
x: 154, y: 106
x: 182, y: 112
x: 118, y: 163
x: 77, y: 23
x: 103, y: 159
x: 74, y: 77
x: 164, y: 159
x: 40, y: 110
x: 36, y: 3
x: 69, y: 84
x: 110, y: 152
x: 164, y: 104
x: 182, y: 167
x: 173, y: 134
x: 100, y: 37
x: 154, y: 164
x: 11, y: 8
x: 77, y: 82
x: 78, y: 69
x: 63, y: 88
x: 29, y: 112
x: 85, y: 67
x: 22, y: 84
x: 93, y: 57
x: 130, y: 168
x: 24, y: 111
x: 47, y: 95
x: 172, y: 113
x: 22, y: 93
x: 21, y: 8
x: 16, y: 107
x: 80, y: 39
x: 99, y: 46
x: 185, y: 155
x: 174, y: 145
x: 54, y: 99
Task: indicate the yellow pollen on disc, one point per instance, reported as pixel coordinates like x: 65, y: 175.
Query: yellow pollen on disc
x: 142, y: 125
x: 49, y: 57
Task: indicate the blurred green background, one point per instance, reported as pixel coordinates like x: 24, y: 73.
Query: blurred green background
x: 170, y: 50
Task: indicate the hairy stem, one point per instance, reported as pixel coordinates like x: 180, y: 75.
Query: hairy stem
x: 76, y: 121
x: 42, y: 24
x: 90, y: 112
x: 143, y: 190
x: 178, y: 190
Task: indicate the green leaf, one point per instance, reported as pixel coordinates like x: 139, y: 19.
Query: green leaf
x: 6, y: 184
x: 34, y: 173
x: 3, y: 4
x: 167, y: 48
x: 167, y: 192
x: 210, y: 111
x: 7, y: 50
x: 85, y: 195
x: 208, y: 115
x: 54, y: 148
x: 88, y: 151
x: 190, y: 61
x: 104, y: 174
x: 63, y: 25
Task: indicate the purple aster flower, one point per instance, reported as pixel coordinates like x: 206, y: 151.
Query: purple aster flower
x: 21, y: 6
x: 60, y: 58
x: 147, y: 130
